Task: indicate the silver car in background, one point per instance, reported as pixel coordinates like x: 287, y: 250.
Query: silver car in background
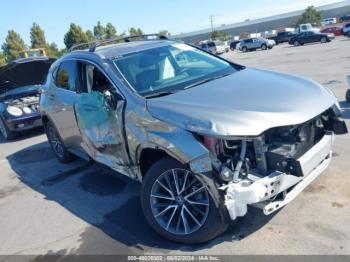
x: 206, y: 137
x: 251, y: 44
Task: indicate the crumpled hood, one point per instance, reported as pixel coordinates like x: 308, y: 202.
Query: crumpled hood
x: 245, y: 103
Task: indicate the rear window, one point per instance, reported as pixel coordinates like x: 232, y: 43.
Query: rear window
x: 67, y: 76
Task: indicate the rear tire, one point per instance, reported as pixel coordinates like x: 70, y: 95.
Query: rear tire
x: 57, y: 146
x: 171, y: 224
x: 296, y: 43
x: 347, y: 96
x: 6, y: 133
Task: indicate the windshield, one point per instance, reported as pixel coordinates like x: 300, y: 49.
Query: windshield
x: 170, y: 68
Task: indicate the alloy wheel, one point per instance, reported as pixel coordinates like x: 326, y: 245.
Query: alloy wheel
x: 55, y: 142
x: 179, y: 202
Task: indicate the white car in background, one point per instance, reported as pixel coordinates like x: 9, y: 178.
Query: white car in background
x: 271, y: 43
x: 329, y: 21
x: 226, y: 46
x: 214, y: 47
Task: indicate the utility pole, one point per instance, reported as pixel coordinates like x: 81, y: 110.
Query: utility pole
x: 212, y: 23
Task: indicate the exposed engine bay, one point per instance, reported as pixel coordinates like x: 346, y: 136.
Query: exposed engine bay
x: 260, y: 170
x: 30, y: 102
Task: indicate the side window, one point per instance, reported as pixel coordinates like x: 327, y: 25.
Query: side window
x: 68, y: 76
x: 94, y: 79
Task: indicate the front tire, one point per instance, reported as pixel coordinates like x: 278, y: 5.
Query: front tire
x: 244, y: 49
x: 296, y: 43
x: 264, y: 47
x: 323, y: 40
x: 180, y: 205
x: 6, y: 133
x: 57, y: 146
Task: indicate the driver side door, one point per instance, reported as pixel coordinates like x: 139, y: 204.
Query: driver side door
x: 99, y: 110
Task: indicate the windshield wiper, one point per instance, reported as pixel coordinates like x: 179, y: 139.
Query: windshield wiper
x: 205, y: 81
x: 159, y: 94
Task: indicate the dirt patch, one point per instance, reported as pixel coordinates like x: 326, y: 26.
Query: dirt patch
x: 332, y: 82
x: 7, y: 191
x: 325, y: 230
x: 314, y: 189
x: 336, y: 204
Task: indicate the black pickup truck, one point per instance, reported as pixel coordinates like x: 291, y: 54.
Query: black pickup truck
x: 282, y: 37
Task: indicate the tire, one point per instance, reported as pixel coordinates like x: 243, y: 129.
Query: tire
x: 323, y: 40
x: 296, y: 43
x: 57, y: 146
x: 5, y: 132
x: 347, y: 96
x: 245, y: 49
x: 210, y: 219
x: 264, y: 47
x: 348, y: 34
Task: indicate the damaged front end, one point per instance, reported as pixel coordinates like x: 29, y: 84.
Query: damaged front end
x: 270, y: 170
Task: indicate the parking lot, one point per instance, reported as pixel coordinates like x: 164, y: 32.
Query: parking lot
x: 85, y: 208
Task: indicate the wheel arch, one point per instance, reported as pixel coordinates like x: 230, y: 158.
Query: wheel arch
x: 198, y: 158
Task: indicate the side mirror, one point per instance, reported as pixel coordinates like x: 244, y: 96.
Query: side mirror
x: 112, y: 99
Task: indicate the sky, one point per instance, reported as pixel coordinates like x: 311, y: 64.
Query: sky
x: 151, y: 16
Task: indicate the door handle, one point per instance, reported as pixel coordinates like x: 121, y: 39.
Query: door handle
x: 52, y: 97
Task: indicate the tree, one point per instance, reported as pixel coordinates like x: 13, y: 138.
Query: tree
x: 37, y: 37
x: 99, y: 31
x: 53, y: 50
x: 111, y: 32
x: 133, y: 31
x: 90, y: 36
x: 310, y: 15
x: 74, y: 36
x: 219, y: 35
x: 13, y: 45
x: 2, y: 59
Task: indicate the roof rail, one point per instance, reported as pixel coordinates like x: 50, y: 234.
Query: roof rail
x: 93, y: 45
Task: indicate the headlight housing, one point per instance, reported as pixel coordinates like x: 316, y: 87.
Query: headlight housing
x: 26, y: 110
x: 14, y: 111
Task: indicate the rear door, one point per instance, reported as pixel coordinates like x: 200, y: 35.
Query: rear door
x: 63, y: 96
x: 256, y: 43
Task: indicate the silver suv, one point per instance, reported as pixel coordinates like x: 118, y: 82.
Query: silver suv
x: 251, y: 44
x: 206, y: 137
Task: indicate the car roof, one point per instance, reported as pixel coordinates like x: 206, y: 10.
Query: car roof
x: 119, y: 49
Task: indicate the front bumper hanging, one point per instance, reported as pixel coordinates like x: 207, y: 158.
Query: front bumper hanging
x: 259, y: 191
